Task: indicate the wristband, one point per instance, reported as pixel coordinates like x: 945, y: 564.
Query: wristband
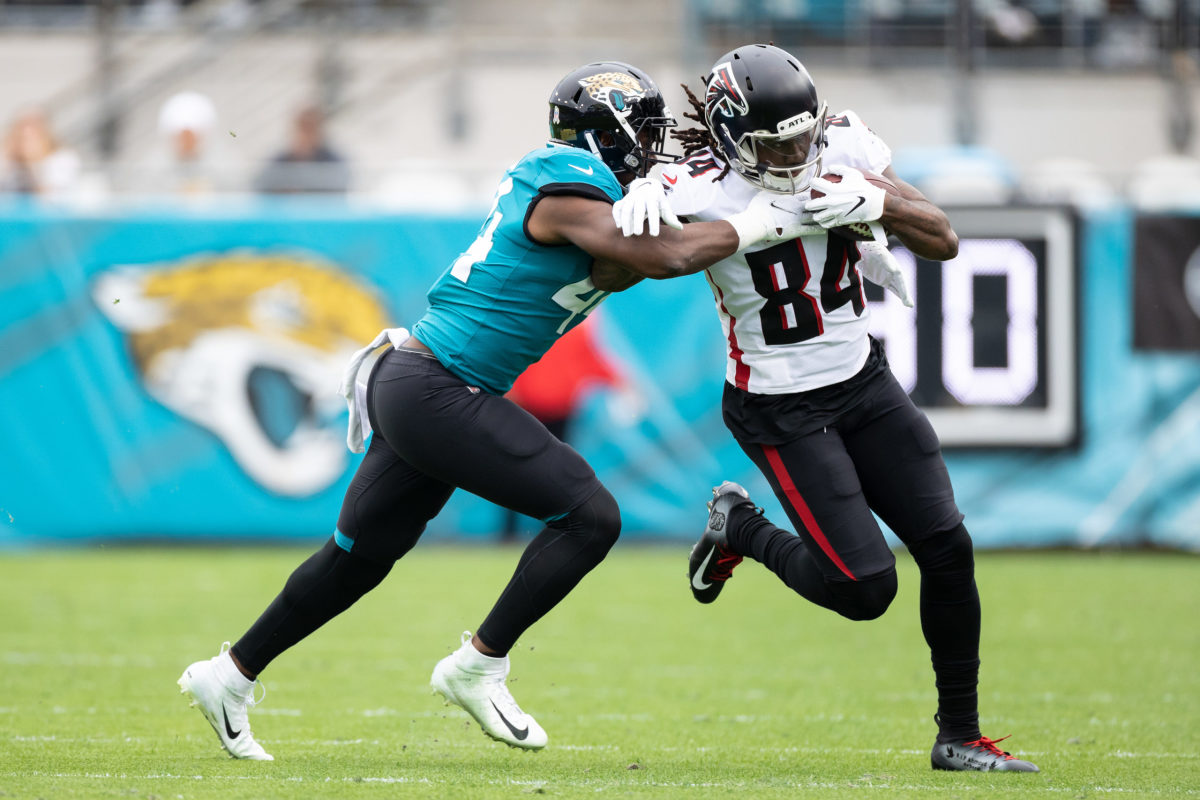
x: 749, y: 227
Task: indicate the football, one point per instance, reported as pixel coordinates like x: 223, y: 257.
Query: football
x: 859, y: 231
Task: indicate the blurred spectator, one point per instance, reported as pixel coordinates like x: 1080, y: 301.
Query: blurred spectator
x: 1006, y: 22
x: 555, y: 388
x: 308, y: 164
x: 187, y: 122
x: 36, y: 163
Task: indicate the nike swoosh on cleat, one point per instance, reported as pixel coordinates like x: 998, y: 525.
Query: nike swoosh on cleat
x: 520, y: 733
x: 587, y: 171
x: 697, y: 576
x: 232, y: 734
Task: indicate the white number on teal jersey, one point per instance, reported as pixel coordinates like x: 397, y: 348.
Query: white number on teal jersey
x: 483, y: 242
x: 579, y: 297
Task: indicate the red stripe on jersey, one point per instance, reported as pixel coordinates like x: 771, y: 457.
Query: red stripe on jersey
x: 862, y: 289
x: 810, y: 522
x: 741, y: 370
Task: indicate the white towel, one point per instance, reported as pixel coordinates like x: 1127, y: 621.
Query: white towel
x: 354, y: 387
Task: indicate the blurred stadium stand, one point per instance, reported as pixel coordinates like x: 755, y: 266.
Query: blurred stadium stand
x: 429, y: 100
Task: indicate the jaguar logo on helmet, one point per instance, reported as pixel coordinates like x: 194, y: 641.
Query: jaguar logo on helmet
x: 723, y: 94
x: 614, y: 89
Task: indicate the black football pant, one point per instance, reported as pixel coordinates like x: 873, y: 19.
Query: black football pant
x: 433, y: 434
x: 881, y: 456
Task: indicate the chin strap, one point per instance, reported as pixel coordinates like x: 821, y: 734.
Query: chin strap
x: 616, y: 159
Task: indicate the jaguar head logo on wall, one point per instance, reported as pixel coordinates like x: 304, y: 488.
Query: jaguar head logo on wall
x: 251, y: 346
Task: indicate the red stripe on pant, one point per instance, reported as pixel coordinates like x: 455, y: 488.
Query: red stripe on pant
x: 810, y: 522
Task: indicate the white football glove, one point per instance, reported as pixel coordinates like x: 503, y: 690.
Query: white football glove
x: 880, y: 267
x: 852, y: 199
x: 772, y: 218
x: 644, y: 204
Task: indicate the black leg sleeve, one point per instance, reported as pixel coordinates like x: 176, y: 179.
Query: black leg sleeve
x: 551, y: 566
x: 325, y: 585
x: 788, y: 556
x: 780, y: 551
x: 950, y: 620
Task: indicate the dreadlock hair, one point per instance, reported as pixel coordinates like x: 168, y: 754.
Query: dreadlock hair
x: 696, y: 139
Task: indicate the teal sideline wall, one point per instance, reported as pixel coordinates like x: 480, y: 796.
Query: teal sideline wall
x: 89, y: 453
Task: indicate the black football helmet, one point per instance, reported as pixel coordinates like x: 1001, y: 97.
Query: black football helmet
x: 762, y: 110
x: 615, y: 98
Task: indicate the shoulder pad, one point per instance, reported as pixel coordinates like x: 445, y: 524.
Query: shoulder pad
x: 850, y: 143
x: 572, y: 165
x: 691, y: 183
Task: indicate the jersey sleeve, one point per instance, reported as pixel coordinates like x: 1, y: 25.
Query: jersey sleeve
x: 852, y: 144
x: 690, y: 184
x: 574, y: 171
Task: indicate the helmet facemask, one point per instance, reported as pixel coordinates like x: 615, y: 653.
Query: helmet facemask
x: 784, y: 161
x: 638, y: 140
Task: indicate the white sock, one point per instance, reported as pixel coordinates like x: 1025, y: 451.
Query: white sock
x: 231, y: 676
x: 472, y: 659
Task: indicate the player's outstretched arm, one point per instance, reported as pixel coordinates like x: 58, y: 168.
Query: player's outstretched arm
x: 612, y: 277
x: 920, y: 226
x: 588, y: 224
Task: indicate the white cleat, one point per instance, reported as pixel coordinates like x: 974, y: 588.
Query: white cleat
x: 476, y: 683
x: 224, y: 695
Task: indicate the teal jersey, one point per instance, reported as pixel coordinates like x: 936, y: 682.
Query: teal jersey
x: 504, y: 301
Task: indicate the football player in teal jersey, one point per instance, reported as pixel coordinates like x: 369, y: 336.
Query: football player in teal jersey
x: 436, y: 404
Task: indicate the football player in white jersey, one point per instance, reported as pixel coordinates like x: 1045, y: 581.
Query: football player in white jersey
x: 808, y: 393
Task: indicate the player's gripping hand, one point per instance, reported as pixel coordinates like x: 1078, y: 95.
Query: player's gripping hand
x: 772, y: 218
x: 644, y: 204
x: 880, y: 267
x: 850, y: 200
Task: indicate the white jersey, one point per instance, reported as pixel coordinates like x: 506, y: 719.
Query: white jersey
x: 794, y: 314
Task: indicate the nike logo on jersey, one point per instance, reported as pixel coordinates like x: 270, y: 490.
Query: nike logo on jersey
x: 520, y: 733
x: 229, y: 729
x: 587, y: 171
x: 671, y: 179
x: 698, y: 578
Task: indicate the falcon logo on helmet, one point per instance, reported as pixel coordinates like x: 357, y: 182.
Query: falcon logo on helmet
x: 723, y: 94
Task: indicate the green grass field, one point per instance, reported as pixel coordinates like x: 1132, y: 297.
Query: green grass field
x: 1089, y: 660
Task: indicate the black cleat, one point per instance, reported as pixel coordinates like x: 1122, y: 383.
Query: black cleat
x: 712, y: 561
x: 980, y: 755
